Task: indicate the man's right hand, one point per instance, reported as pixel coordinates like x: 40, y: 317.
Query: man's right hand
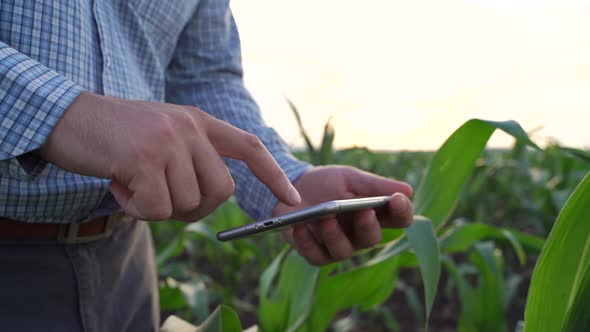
x: 164, y: 160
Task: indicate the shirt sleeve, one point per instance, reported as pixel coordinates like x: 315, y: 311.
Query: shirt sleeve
x: 206, y: 72
x: 32, y: 100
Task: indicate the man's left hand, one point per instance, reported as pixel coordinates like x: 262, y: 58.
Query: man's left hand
x: 336, y: 238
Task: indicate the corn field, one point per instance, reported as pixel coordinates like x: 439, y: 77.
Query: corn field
x: 500, y: 242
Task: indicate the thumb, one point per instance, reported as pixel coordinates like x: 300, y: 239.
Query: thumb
x: 362, y: 183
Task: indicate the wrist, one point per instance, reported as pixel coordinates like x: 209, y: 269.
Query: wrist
x: 72, y: 143
x: 47, y: 150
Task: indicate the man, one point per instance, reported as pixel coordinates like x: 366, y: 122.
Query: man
x: 93, y: 140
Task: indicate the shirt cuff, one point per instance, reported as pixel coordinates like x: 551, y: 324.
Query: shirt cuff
x: 33, y: 99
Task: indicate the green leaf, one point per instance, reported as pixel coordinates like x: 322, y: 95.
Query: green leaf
x: 173, y: 249
x: 203, y: 230
x: 450, y: 169
x: 287, y: 307
x: 171, y: 298
x: 413, y: 300
x: 561, y: 273
x: 223, y: 319
x: 310, y: 149
x: 270, y: 273
x: 460, y: 238
x: 482, y: 308
x: 196, y: 296
x: 453, y: 163
x: 422, y: 238
x: 391, y: 250
x: 364, y: 286
x: 326, y: 152
x: 488, y: 315
x: 579, y: 315
x: 390, y: 234
x: 584, y: 155
x: 515, y: 244
x: 448, y: 172
x: 465, y: 291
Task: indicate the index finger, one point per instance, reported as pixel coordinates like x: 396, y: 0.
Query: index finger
x: 235, y: 143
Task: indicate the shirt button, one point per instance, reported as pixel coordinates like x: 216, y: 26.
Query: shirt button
x: 107, y: 61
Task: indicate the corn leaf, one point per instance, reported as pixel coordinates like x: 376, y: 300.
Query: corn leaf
x: 173, y: 249
x: 558, y: 294
x: 171, y: 298
x: 365, y: 286
x: 448, y: 172
x: 286, y: 306
x: 326, y: 154
x: 196, y: 297
x: 310, y: 148
x: 453, y: 163
x: 422, y: 238
x: 482, y: 308
x: 579, y: 315
x: 223, y: 319
x: 584, y: 155
x: 488, y: 315
x: 460, y: 238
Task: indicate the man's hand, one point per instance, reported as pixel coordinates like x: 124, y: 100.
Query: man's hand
x: 164, y: 160
x: 336, y: 239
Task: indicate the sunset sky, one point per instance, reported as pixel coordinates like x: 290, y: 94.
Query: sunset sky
x: 404, y: 74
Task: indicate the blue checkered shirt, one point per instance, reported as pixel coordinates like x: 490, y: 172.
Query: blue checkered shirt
x: 184, y: 52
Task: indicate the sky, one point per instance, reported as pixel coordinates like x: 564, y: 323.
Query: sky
x: 403, y: 75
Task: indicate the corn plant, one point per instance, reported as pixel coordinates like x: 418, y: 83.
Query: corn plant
x: 293, y: 296
x: 286, y: 307
x: 483, y: 306
x: 324, y: 154
x: 560, y: 286
x: 186, y: 248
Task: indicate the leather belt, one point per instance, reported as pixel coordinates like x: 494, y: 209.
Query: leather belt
x: 86, y: 231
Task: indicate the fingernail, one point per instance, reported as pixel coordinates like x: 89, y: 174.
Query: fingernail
x: 294, y: 197
x: 400, y: 202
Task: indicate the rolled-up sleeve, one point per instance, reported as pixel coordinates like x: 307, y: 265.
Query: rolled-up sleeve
x: 32, y: 100
x: 206, y: 72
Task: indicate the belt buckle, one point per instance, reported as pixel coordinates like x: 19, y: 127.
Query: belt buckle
x: 68, y: 233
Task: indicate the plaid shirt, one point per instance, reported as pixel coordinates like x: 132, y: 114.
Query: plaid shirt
x: 183, y: 52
